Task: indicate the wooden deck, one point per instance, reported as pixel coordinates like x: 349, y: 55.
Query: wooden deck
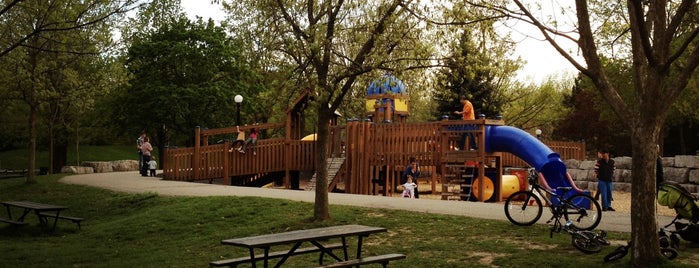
x: 371, y: 151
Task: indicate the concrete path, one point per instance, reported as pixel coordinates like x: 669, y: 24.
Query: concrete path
x: 133, y: 182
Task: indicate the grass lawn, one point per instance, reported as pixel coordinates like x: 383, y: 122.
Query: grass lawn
x: 147, y: 230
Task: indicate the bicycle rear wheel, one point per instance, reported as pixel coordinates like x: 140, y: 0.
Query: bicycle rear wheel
x: 523, y: 208
x: 583, y: 211
x: 585, y: 244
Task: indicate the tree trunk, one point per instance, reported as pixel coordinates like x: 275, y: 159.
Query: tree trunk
x: 321, y: 210
x: 31, y: 177
x: 644, y: 227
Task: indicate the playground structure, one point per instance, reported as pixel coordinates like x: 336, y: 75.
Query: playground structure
x: 367, y: 157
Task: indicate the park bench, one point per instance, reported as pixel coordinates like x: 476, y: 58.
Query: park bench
x: 382, y: 259
x: 13, y: 222
x: 235, y: 262
x: 73, y: 219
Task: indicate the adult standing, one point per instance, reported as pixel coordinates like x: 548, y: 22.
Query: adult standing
x: 467, y: 113
x: 412, y: 170
x: 659, y: 177
x: 604, y: 171
x: 139, y: 143
x: 146, y: 149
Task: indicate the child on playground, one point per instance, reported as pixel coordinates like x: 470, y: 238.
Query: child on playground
x: 252, y: 139
x: 152, y: 165
x: 409, y: 188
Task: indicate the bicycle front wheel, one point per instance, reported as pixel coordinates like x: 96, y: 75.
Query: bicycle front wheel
x: 583, y: 212
x: 585, y: 244
x: 523, y: 208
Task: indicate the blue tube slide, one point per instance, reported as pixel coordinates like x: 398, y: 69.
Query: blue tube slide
x: 531, y: 150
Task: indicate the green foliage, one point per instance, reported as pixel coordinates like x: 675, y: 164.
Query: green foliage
x: 148, y: 230
x: 183, y: 75
x: 532, y: 107
x: 477, y: 69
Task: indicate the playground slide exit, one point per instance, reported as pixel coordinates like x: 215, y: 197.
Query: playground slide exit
x: 530, y: 149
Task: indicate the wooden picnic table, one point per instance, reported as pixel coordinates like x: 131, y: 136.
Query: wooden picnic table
x: 38, y: 208
x: 314, y: 236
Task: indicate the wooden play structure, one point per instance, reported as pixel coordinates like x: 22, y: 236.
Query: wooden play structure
x: 366, y: 157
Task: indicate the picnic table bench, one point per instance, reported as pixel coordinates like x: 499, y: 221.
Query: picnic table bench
x: 44, y: 212
x: 278, y: 254
x: 313, y: 236
x: 382, y: 259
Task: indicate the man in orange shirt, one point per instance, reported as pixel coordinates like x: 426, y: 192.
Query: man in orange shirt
x: 467, y: 113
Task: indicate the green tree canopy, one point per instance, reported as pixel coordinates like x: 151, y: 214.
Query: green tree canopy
x: 183, y: 75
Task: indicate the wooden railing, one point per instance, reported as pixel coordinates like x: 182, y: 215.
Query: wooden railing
x: 369, y: 148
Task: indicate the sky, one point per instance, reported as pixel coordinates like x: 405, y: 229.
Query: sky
x: 542, y: 61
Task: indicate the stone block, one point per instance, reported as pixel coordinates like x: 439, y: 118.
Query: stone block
x: 622, y: 175
x: 587, y: 164
x: 668, y: 161
x: 581, y: 184
x: 679, y: 175
x: 125, y: 165
x: 622, y: 186
x: 622, y: 162
x: 578, y: 174
x: 77, y: 170
x: 99, y: 166
x: 694, y: 176
x: 572, y: 163
x: 688, y: 161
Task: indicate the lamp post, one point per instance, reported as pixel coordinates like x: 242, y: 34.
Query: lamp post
x: 538, y: 133
x: 238, y: 99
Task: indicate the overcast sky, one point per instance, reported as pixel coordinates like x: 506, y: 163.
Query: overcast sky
x: 542, y: 60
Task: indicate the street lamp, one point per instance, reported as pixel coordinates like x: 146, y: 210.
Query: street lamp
x: 538, y: 133
x: 238, y: 99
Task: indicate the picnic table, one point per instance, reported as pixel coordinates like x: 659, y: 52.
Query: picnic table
x: 315, y: 236
x: 43, y: 211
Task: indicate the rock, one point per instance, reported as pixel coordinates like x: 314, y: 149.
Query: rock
x: 689, y: 161
x: 587, y: 164
x: 77, y: 170
x: 679, y: 175
x: 125, y: 165
x: 625, y: 187
x: 622, y: 162
x: 98, y: 166
x: 572, y: 163
x: 668, y: 161
x: 622, y: 175
x: 694, y: 176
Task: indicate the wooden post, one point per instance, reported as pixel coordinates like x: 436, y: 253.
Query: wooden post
x: 226, y: 164
x: 197, y: 148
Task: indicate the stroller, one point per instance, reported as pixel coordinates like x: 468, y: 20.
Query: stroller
x: 674, y: 196
x: 671, y: 195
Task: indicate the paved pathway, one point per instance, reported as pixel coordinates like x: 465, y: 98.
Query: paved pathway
x: 132, y: 182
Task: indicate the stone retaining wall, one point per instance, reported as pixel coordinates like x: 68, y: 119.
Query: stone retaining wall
x: 683, y: 169
x: 101, y: 167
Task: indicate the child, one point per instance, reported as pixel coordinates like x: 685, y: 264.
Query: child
x: 409, y: 188
x: 252, y: 139
x: 152, y: 165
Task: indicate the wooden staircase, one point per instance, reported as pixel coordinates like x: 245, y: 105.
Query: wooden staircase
x: 334, y: 166
x: 458, y: 181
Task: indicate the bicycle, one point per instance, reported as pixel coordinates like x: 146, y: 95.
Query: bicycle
x: 586, y: 241
x: 524, y: 208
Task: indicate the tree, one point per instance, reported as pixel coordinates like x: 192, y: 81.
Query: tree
x: 660, y: 39
x: 329, y: 45
x: 183, y: 75
x: 533, y: 106
x: 29, y: 44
